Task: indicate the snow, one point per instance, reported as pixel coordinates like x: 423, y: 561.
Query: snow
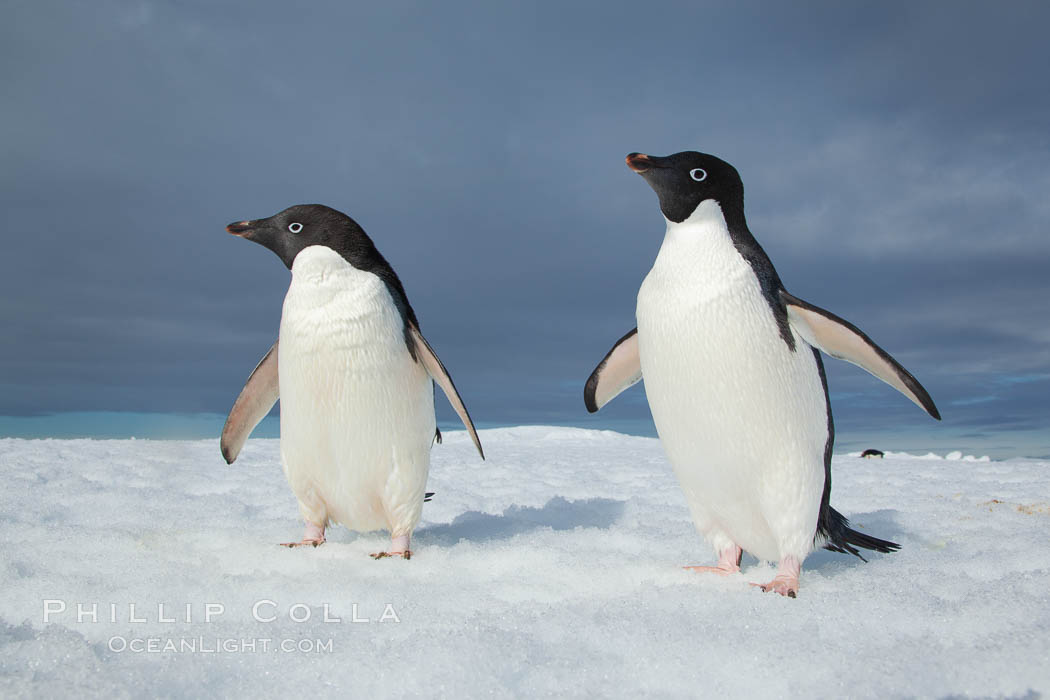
x: 954, y: 455
x: 553, y: 568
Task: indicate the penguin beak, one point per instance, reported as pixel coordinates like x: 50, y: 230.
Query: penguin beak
x: 265, y: 233
x: 244, y: 229
x: 641, y: 163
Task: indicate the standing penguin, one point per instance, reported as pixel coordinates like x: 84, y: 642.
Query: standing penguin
x: 354, y: 377
x: 734, y: 378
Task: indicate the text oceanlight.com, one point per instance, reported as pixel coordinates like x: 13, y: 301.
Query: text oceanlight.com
x: 217, y: 645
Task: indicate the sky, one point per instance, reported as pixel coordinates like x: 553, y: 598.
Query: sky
x: 894, y: 156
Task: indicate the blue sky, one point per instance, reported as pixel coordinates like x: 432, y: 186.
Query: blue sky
x: 894, y: 156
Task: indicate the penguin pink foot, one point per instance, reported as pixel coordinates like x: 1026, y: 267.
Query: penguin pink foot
x: 313, y: 536
x: 398, y: 548
x: 786, y: 581
x: 728, y: 563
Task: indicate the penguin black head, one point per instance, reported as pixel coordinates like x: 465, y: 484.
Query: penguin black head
x: 290, y: 231
x: 683, y: 180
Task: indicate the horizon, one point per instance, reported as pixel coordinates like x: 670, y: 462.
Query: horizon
x: 118, y: 425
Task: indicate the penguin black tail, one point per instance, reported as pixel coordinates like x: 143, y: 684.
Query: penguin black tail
x: 840, y: 537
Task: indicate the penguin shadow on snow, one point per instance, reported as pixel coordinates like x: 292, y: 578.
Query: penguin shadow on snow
x: 557, y: 514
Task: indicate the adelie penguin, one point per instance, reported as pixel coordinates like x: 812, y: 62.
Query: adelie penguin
x: 734, y: 378
x: 355, y: 378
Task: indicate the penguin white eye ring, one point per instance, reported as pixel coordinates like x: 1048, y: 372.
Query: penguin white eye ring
x: 698, y: 174
x: 295, y: 228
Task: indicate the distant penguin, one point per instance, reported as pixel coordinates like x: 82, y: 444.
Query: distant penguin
x: 354, y: 378
x: 872, y: 454
x: 734, y: 378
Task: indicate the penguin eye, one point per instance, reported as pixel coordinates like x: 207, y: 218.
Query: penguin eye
x: 295, y: 228
x: 698, y: 174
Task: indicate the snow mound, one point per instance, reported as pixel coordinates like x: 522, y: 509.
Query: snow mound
x: 554, y: 568
x: 953, y: 456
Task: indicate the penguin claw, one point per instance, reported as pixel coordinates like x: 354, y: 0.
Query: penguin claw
x: 303, y: 543
x: 312, y: 536
x: 407, y: 554
x: 786, y: 581
x: 783, y: 585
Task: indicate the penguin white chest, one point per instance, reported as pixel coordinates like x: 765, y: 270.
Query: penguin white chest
x: 741, y: 415
x: 357, y: 411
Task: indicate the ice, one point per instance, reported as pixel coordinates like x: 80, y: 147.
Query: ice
x: 552, y: 568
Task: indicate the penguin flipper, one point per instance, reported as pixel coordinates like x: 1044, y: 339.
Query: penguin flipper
x: 439, y: 374
x: 258, y: 396
x: 844, y: 341
x: 618, y: 370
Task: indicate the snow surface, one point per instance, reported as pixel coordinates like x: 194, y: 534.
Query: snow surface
x: 553, y: 568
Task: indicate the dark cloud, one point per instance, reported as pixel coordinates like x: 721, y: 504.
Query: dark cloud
x: 895, y: 159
